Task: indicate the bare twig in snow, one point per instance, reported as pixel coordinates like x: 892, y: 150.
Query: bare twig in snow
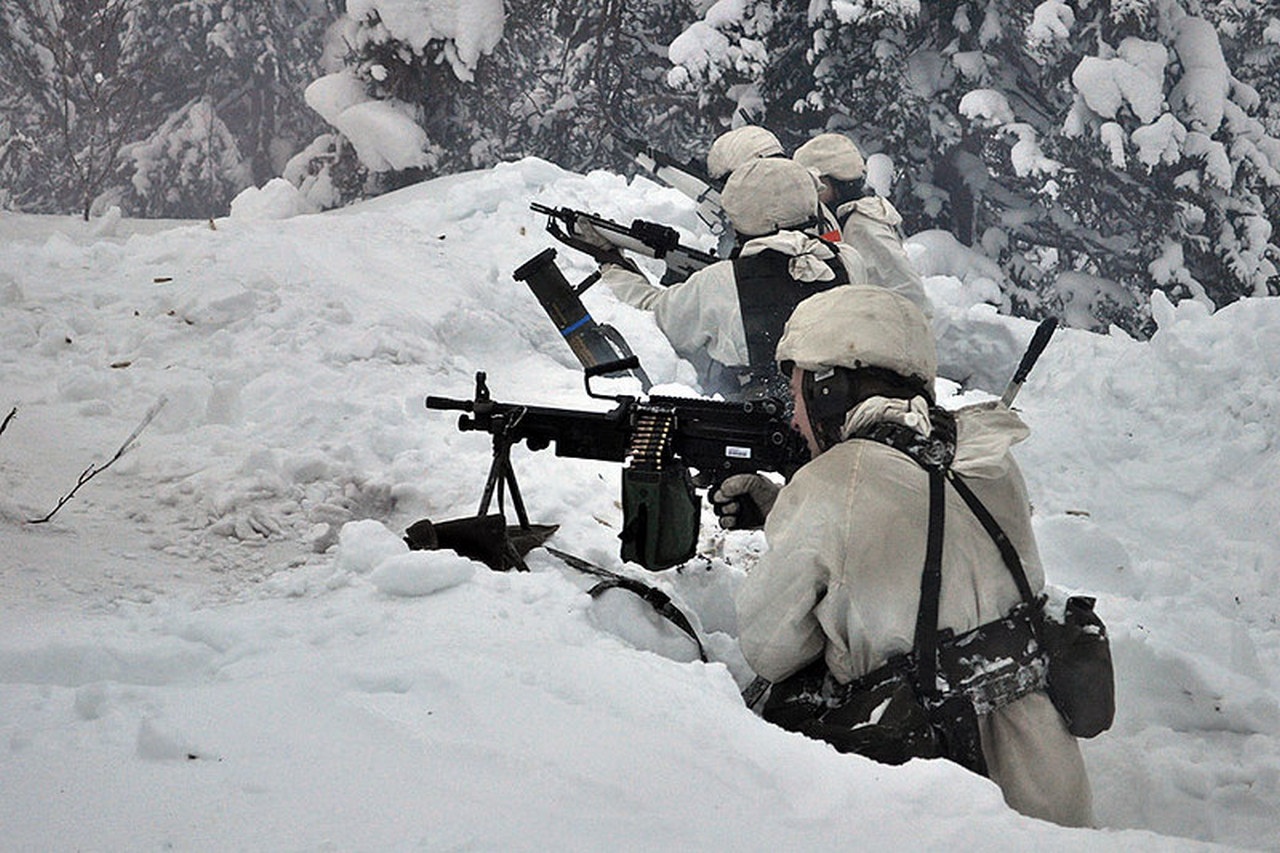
x: 94, y: 470
x: 5, y: 424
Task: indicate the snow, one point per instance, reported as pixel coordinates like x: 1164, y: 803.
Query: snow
x: 703, y: 52
x: 469, y: 28
x: 276, y: 199
x: 1134, y: 78
x: 1050, y: 22
x: 383, y: 132
x: 221, y: 641
x: 858, y: 11
x: 700, y: 49
x: 879, y: 175
x: 990, y: 108
x: 1160, y: 142
x: 1202, y: 90
x: 987, y: 106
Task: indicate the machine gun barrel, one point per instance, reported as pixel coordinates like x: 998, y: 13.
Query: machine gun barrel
x: 448, y: 403
x: 601, y: 436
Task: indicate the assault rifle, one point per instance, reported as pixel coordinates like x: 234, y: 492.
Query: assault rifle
x: 649, y: 239
x: 658, y: 438
x: 689, y: 178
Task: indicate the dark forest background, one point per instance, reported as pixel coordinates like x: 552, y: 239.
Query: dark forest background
x: 985, y: 111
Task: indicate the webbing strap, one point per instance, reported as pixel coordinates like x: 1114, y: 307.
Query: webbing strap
x: 926, y: 639
x: 926, y: 634
x: 656, y: 598
x: 1007, y: 552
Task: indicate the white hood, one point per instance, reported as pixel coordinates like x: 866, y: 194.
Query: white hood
x: 809, y: 255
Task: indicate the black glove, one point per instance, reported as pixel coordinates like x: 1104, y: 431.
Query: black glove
x: 743, y: 501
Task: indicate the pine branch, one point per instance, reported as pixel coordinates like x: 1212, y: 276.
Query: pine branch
x: 94, y: 470
x: 5, y: 425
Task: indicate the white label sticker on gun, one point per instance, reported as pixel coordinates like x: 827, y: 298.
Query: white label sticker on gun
x: 737, y: 452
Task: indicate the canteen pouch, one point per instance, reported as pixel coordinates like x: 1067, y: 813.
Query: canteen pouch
x: 1081, y: 677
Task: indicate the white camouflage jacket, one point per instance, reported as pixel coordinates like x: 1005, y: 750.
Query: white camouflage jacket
x: 701, y: 316
x: 870, y: 224
x: 842, y: 574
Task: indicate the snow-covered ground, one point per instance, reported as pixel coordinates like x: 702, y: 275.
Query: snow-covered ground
x: 220, y: 641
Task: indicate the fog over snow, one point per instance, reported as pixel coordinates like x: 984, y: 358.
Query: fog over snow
x: 221, y: 642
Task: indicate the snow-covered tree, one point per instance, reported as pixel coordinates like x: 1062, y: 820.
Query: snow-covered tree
x: 239, y: 66
x: 85, y: 78
x: 74, y: 66
x: 18, y: 154
x: 430, y: 87
x: 1098, y: 150
x: 191, y: 166
x: 397, y: 101
x: 329, y: 172
x: 597, y: 71
x: 1165, y: 166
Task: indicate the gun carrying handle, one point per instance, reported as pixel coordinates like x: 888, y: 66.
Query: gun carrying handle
x: 631, y: 362
x: 622, y: 365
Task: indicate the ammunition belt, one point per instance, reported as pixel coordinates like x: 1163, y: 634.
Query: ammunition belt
x: 650, y: 447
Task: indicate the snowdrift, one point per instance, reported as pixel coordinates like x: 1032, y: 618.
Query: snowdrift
x: 222, y: 642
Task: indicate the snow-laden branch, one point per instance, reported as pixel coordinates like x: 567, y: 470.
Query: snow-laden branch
x: 94, y: 470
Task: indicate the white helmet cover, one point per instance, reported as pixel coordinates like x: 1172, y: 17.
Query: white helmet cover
x: 740, y: 145
x: 765, y: 196
x: 834, y: 155
x: 856, y: 326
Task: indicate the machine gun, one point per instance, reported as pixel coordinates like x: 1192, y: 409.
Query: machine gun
x: 649, y: 239
x: 658, y: 438
x: 689, y: 178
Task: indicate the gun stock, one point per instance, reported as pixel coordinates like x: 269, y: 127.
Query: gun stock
x: 688, y: 178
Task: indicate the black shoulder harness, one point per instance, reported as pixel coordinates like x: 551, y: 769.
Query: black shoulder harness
x: 767, y: 294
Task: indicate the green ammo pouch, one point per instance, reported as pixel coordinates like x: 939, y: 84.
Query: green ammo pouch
x: 660, y: 509
x: 660, y: 516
